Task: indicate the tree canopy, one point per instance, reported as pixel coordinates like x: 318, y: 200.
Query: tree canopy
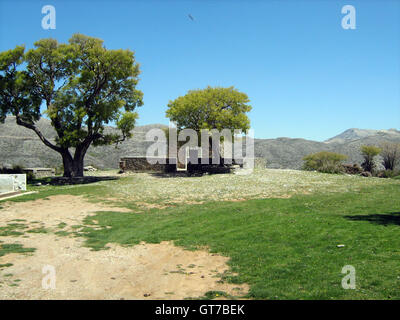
x: 80, y: 86
x: 211, y: 108
x: 369, y: 153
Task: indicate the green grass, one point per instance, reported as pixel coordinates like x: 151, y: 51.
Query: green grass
x: 283, y: 248
x: 12, y: 229
x: 13, y: 248
x: 38, y: 230
x: 61, y: 225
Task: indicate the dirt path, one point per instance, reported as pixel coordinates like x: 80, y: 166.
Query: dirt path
x: 145, y: 271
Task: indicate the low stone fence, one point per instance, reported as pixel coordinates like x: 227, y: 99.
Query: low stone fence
x: 142, y: 164
x: 40, y: 172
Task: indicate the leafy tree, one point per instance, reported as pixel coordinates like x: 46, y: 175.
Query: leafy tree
x: 369, y: 153
x: 80, y: 86
x: 211, y: 108
x: 390, y: 154
x: 324, y: 161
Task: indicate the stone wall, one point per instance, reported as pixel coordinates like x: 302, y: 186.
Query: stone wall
x: 41, y: 172
x: 142, y: 164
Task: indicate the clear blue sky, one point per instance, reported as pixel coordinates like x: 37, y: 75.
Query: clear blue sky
x: 305, y: 75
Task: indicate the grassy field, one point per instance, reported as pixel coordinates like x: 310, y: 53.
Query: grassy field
x: 280, y: 228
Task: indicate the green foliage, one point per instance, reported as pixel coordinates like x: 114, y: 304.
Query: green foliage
x: 83, y: 86
x: 211, y: 108
x: 369, y: 153
x: 17, y: 89
x: 324, y: 161
x: 127, y: 123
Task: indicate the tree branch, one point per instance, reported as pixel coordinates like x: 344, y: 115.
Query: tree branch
x: 39, y: 134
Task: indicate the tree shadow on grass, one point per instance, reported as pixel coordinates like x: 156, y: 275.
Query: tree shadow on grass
x: 382, y: 219
x: 61, y: 181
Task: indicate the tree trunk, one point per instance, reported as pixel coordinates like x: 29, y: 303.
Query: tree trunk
x: 73, y: 167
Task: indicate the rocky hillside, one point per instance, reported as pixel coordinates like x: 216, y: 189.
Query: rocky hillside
x: 21, y: 146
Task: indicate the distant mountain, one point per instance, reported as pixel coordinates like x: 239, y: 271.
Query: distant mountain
x: 355, y: 134
x: 19, y: 145
x: 288, y: 153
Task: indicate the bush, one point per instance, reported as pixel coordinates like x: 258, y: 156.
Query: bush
x: 16, y: 169
x: 369, y: 153
x: 324, y: 161
x: 366, y: 174
x: 390, y: 154
x: 388, y: 173
x: 352, y: 169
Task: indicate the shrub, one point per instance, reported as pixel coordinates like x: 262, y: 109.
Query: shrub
x: 366, y: 174
x: 388, y: 173
x: 352, y: 169
x: 369, y: 153
x: 30, y: 176
x: 16, y: 169
x: 324, y: 161
x: 390, y: 154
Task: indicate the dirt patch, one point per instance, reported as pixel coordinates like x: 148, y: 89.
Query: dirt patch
x: 145, y: 205
x: 144, y: 271
x: 53, y: 210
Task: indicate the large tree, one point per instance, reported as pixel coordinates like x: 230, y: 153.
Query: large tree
x: 80, y: 86
x: 369, y: 153
x: 211, y: 108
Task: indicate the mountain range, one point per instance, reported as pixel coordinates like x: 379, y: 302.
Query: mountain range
x: 21, y: 146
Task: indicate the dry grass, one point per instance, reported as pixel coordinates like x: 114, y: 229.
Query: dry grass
x: 145, y: 189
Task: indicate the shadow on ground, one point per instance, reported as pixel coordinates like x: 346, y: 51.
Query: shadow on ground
x: 176, y: 174
x: 209, y: 170
x: 382, y: 219
x: 61, y: 181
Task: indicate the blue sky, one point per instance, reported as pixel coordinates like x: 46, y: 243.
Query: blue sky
x: 305, y: 75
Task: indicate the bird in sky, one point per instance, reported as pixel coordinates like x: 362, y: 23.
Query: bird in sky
x: 191, y: 17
